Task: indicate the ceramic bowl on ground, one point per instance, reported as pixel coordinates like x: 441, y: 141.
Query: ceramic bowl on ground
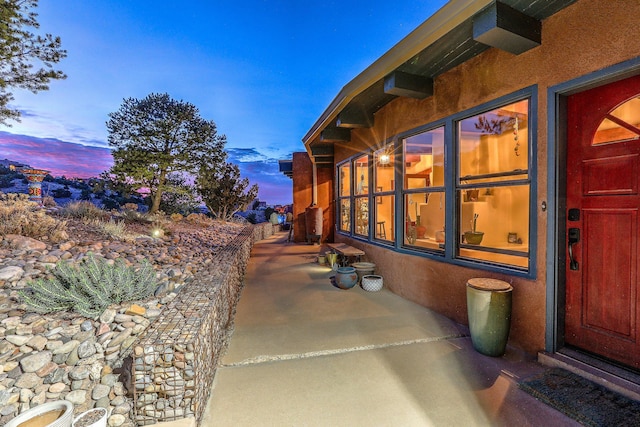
x: 50, y: 414
x: 371, y: 282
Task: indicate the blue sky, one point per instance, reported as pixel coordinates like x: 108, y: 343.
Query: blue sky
x: 262, y: 70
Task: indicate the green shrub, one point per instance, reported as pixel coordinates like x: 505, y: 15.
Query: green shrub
x: 90, y: 287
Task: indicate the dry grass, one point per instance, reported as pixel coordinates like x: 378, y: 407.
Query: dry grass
x: 20, y: 216
x: 116, y: 230
x: 84, y: 210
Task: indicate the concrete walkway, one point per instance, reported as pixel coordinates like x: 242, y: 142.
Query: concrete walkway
x: 305, y: 353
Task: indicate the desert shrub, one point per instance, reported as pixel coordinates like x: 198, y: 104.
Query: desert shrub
x: 6, y: 181
x: 48, y: 202
x: 61, y: 193
x: 130, y: 207
x: 116, y: 230
x: 20, y: 216
x: 200, y: 219
x: 252, y: 218
x: 83, y: 210
x: 85, y: 194
x: 267, y: 212
x: 90, y: 287
x: 176, y: 217
x: 131, y: 216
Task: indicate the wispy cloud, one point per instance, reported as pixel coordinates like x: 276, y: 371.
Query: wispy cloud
x: 274, y: 187
x: 76, y: 160
x: 58, y: 157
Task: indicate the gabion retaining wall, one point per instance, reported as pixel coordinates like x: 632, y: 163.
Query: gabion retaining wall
x: 174, y: 361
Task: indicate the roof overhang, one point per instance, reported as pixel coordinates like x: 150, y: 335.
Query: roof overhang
x: 457, y: 32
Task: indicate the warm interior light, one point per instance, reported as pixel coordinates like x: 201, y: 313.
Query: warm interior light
x: 384, y: 159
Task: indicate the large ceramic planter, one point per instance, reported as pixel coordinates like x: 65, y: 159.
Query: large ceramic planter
x: 363, y: 269
x: 50, y: 414
x: 345, y: 278
x: 96, y: 417
x: 489, y: 311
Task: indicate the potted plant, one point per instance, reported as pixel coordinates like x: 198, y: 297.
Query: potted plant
x: 96, y: 417
x: 473, y: 237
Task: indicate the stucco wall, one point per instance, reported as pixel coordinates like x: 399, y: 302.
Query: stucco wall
x: 303, y: 197
x: 585, y: 37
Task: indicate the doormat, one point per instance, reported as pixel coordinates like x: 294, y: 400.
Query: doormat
x: 585, y: 401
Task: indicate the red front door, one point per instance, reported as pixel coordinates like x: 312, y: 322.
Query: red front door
x: 603, y: 173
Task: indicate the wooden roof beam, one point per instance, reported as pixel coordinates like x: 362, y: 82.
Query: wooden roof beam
x: 332, y: 134
x: 354, y: 119
x: 408, y: 85
x: 508, y: 29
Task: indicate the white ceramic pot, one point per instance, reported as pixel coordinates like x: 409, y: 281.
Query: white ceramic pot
x: 371, y: 282
x: 96, y: 417
x: 50, y: 414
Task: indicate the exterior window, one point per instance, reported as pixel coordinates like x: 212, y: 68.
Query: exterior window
x: 423, y: 190
x: 493, y: 186
x: 384, y: 199
x: 361, y: 187
x: 621, y: 124
x: 344, y: 194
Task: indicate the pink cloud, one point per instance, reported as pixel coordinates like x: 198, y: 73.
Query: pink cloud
x: 58, y: 157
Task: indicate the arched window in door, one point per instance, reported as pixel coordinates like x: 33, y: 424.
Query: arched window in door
x: 620, y: 124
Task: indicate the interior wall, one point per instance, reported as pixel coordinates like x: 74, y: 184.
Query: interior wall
x: 575, y: 42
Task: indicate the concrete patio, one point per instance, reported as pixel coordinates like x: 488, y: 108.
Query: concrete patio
x: 305, y: 353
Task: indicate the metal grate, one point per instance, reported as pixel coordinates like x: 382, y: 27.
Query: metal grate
x: 175, y: 359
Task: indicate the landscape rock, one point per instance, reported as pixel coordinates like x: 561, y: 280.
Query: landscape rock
x: 63, y: 355
x: 11, y: 273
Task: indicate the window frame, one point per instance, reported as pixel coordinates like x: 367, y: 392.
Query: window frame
x: 452, y: 189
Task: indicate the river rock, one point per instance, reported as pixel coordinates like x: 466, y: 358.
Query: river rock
x: 11, y: 273
x: 36, y: 361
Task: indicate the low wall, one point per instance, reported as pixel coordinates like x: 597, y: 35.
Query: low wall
x: 174, y: 361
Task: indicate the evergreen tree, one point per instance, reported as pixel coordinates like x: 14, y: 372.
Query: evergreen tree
x: 158, y: 136
x: 223, y: 192
x: 21, y: 51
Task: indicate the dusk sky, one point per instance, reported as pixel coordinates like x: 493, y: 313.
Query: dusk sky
x: 263, y: 71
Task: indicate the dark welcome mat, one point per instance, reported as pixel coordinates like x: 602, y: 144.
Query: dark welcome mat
x: 585, y: 401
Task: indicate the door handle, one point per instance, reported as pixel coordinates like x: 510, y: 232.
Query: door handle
x: 574, y: 237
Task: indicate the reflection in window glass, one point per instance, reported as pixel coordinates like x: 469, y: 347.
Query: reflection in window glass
x: 345, y: 215
x: 621, y: 124
x: 424, y: 159
x: 361, y: 175
x: 362, y: 216
x: 385, y: 220
x: 494, y: 209
x: 495, y: 142
x: 383, y: 161
x: 424, y: 225
x: 344, y: 180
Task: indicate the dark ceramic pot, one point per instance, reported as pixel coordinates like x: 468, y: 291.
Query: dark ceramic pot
x: 346, y: 277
